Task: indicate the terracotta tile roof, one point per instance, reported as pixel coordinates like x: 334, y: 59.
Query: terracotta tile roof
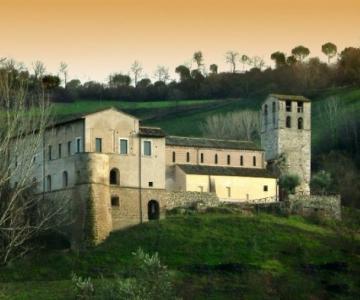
x: 210, y: 143
x: 226, y: 171
x: 151, y: 132
x: 290, y: 97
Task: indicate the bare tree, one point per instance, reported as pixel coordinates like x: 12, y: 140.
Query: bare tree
x: 39, y: 69
x: 258, y: 62
x: 245, y: 60
x: 162, y: 74
x: 64, y: 71
x: 23, y: 213
x: 242, y: 125
x: 331, y: 113
x: 232, y: 59
x: 136, y: 69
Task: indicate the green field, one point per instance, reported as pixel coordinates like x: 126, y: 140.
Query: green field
x: 218, y: 255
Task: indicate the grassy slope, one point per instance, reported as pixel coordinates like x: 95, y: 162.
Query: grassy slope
x: 213, y: 255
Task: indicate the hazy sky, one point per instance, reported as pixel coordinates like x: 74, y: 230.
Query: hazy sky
x: 98, y: 37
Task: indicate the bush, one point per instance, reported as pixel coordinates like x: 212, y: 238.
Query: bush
x: 83, y: 287
x: 289, y: 182
x: 148, y: 280
x: 321, y: 182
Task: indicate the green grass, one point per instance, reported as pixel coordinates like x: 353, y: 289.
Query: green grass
x: 213, y: 255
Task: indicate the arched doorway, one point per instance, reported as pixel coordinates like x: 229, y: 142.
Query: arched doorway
x: 153, y: 210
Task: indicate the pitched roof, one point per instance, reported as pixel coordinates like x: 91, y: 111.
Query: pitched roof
x: 226, y: 171
x: 80, y: 116
x: 210, y: 143
x: 151, y: 132
x: 290, y: 97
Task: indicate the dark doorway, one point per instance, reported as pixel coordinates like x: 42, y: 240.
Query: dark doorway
x: 153, y: 210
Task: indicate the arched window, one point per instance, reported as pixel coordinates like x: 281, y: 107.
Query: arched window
x: 173, y: 156
x: 65, y: 179
x: 300, y: 123
x: 216, y: 159
x: 228, y: 160
x: 254, y: 161
x: 201, y: 157
x: 187, y: 157
x: 265, y: 109
x: 288, y: 122
x: 48, y: 183
x: 241, y: 160
x: 114, y: 176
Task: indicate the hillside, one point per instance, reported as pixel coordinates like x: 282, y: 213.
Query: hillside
x: 218, y: 255
x: 184, y: 117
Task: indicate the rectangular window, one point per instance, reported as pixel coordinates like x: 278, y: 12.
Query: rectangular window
x: 98, y: 144
x: 147, y: 148
x: 59, y: 150
x: 202, y: 157
x: 228, y: 190
x: 173, y: 156
x: 241, y: 160
x: 151, y: 184
x: 69, y: 148
x: 78, y: 145
x: 50, y: 152
x: 254, y: 161
x: 228, y: 159
x: 123, y: 146
x: 265, y: 188
x: 300, y: 106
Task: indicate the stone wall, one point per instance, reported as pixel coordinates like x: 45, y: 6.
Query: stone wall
x: 322, y: 206
x: 187, y: 199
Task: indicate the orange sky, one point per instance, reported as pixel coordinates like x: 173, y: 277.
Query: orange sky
x: 98, y: 37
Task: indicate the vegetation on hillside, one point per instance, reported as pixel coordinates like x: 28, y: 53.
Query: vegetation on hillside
x: 218, y: 255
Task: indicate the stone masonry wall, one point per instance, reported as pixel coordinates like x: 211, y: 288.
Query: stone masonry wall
x: 187, y: 199
x: 323, y: 206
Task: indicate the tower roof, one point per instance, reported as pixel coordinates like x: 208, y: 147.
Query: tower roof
x: 290, y: 97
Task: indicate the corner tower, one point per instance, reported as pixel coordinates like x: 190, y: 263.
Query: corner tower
x: 286, y: 132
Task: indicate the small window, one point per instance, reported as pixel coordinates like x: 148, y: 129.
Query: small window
x: 228, y: 191
x: 65, y: 179
x: 300, y: 123
x: 265, y: 109
x: 147, y: 148
x: 78, y: 145
x: 59, y: 150
x: 69, y: 148
x: 254, y: 161
x: 241, y: 160
x: 123, y: 146
x: 98, y: 144
x: 273, y: 107
x: 48, y: 183
x: 265, y: 188
x: 216, y: 159
x: 288, y: 106
x: 288, y: 122
x: 115, y: 202
x: 50, y: 152
x: 228, y: 159
x: 151, y: 184
x: 174, y: 156
x: 202, y: 157
x: 187, y: 157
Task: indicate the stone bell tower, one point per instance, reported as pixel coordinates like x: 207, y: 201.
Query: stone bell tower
x: 286, y: 133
